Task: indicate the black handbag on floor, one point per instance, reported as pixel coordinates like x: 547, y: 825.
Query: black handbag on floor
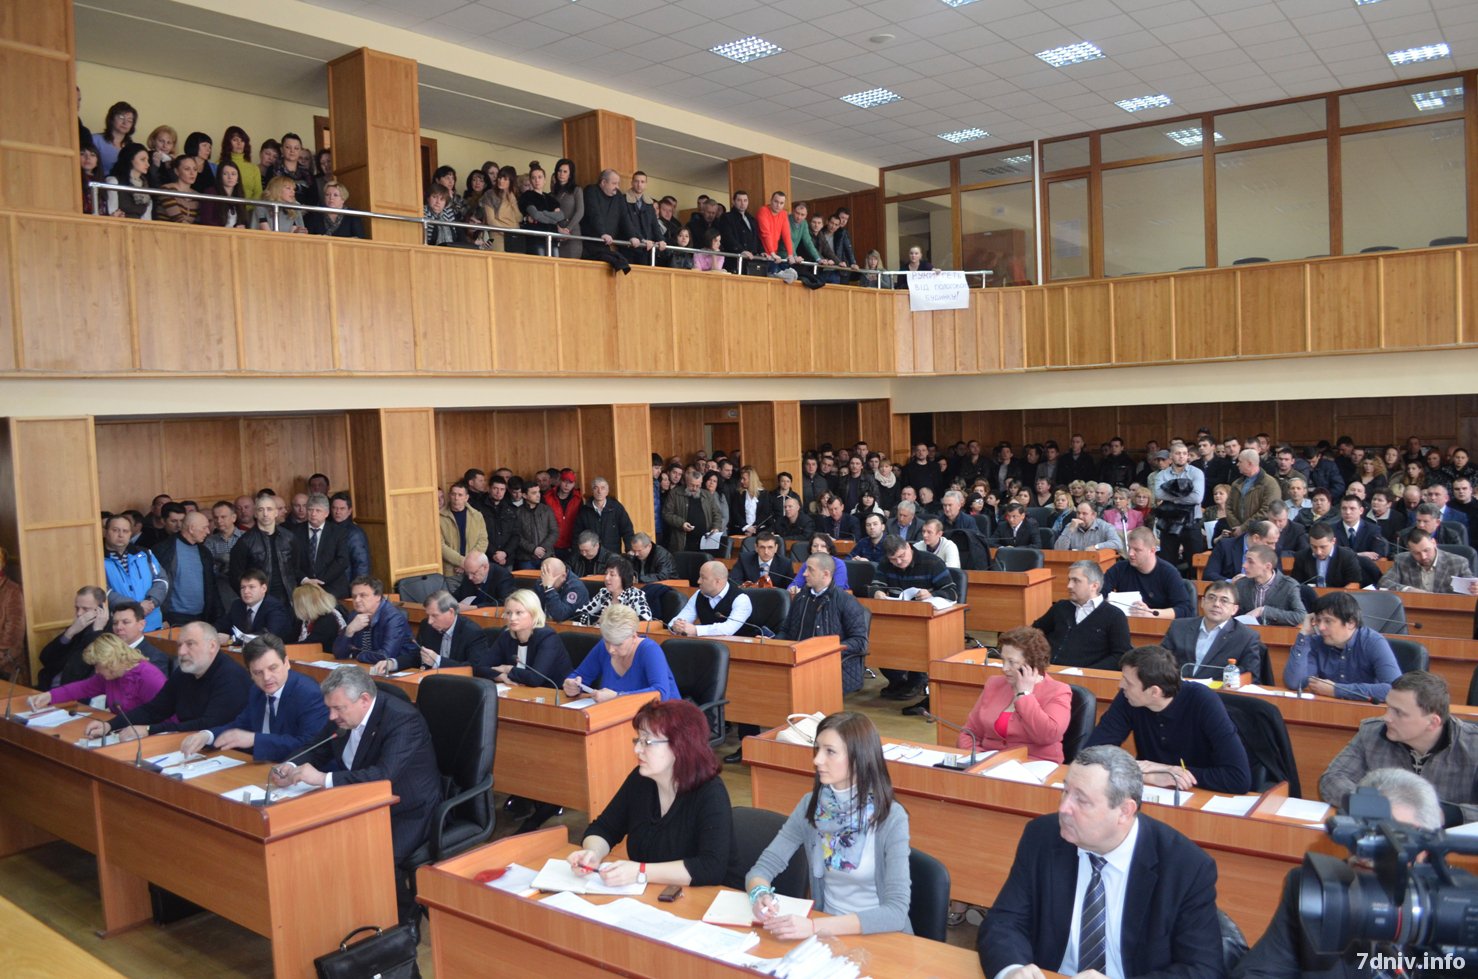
x: 389, y: 954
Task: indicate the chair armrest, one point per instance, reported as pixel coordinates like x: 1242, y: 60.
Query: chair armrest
x: 444, y: 809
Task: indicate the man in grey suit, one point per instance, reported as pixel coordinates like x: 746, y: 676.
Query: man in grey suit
x: 1266, y: 593
x: 1211, y: 640
x: 1425, y: 568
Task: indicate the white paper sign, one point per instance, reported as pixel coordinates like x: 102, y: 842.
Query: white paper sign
x: 938, y: 289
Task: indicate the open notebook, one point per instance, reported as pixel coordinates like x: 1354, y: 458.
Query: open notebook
x: 733, y: 908
x: 558, y: 875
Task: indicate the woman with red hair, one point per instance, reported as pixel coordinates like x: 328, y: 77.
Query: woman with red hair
x: 672, y: 810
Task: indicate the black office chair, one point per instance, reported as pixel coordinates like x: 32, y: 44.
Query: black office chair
x: 1378, y: 248
x: 1473, y: 689
x: 687, y: 564
x: 1307, y: 595
x: 1017, y: 558
x: 493, y: 632
x: 701, y: 669
x: 1251, y: 260
x: 800, y: 550
x: 754, y: 830
x: 1448, y: 240
x: 1461, y: 550
x: 1190, y: 590
x: 961, y: 583
x: 1046, y: 539
x: 928, y: 899
x: 1233, y: 942
x: 669, y: 604
x: 579, y: 645
x: 1382, y: 611
x: 1043, y: 515
x: 770, y: 606
x: 392, y: 690
x: 749, y: 543
x: 973, y: 549
x: 417, y: 588
x: 1370, y: 572
x: 859, y: 576
x: 462, y: 713
x: 1082, y: 716
x: 1410, y: 654
x: 1269, y: 752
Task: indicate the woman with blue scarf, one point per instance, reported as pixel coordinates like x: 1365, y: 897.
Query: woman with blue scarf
x: 855, y: 836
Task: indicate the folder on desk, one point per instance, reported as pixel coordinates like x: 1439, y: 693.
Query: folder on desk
x: 558, y: 875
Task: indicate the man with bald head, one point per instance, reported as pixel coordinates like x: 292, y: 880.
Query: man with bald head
x: 483, y: 582
x: 206, y: 690
x: 561, y: 593
x: 193, y: 595
x: 1253, y: 493
x: 716, y: 609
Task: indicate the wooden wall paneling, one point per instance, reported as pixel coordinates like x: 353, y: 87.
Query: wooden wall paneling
x: 526, y: 326
x: 464, y: 440
x: 1137, y: 424
x: 597, y: 446
x: 757, y: 441
x: 1273, y: 303
x: 874, y: 423
x: 201, y: 460
x: 1088, y: 324
x: 38, y: 135
x: 599, y: 140
x: 1366, y: 420
x: 1245, y: 419
x: 281, y: 337
x: 1051, y: 423
x: 646, y: 310
x: 1144, y: 319
x: 587, y: 316
x: 520, y: 441
x: 187, y: 322
x: 280, y: 451
x: 130, y: 464
x: 701, y: 339
x: 374, y: 297
x: 986, y: 310
x: 836, y: 423
x: 901, y: 437
x: 964, y: 339
x: 1344, y: 305
x: 94, y: 306
x: 925, y: 360
x: 1186, y: 418
x: 1058, y: 352
x: 1468, y: 293
x: 1095, y: 425
x: 49, y: 525
x: 759, y: 176
x: 872, y: 346
x: 1302, y: 423
x: 1432, y: 419
x: 772, y: 331
x: 562, y: 428
x: 368, y: 489
x: 412, y: 524
x: 833, y: 329
x: 10, y: 335
x: 1014, y: 342
x: 331, y: 448
x: 901, y: 321
x: 867, y: 208
x: 684, y: 433
x: 1419, y: 298
x: 454, y: 323
x: 632, y: 481
x: 787, y: 440
x: 948, y: 426
x: 374, y: 103
x: 1206, y: 320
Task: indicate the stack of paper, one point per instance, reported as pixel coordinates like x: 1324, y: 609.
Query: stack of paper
x: 329, y: 664
x: 663, y: 926
x: 1012, y: 770
x: 579, y: 704
x: 205, y: 766
x: 1230, y: 805
x: 1309, y: 811
x: 558, y: 875
x: 49, y: 717
x: 911, y: 754
x: 733, y: 908
x: 1071, y: 671
x: 1124, y: 600
x: 516, y: 879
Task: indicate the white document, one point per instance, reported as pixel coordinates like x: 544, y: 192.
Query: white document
x: 664, y: 926
x: 255, y: 793
x: 239, y: 638
x: 1461, y: 585
x: 1165, y: 797
x: 1248, y: 619
x: 1071, y: 671
x: 912, y: 754
x: 55, y: 718
x: 95, y: 742
x: 1209, y: 526
x: 581, y: 703
x: 516, y: 879
x: 733, y: 908
x: 912, y: 595
x: 710, y: 542
x: 171, y: 758
x: 329, y: 664
x: 205, y: 766
x: 1013, y: 771
x: 1230, y: 805
x: 1041, y: 768
x: 404, y: 673
x: 1124, y: 599
x: 1307, y: 810
x: 575, y: 904
x: 1466, y: 829
x: 558, y: 875
x: 503, y: 689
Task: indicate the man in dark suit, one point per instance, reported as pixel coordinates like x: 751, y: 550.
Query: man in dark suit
x: 1429, y: 519
x: 256, y: 612
x: 1054, y: 912
x: 446, y: 638
x: 379, y: 634
x: 1325, y: 563
x: 906, y: 524
x: 1266, y: 593
x: 1215, y: 637
x: 324, y: 548
x: 1358, y: 535
x: 127, y: 623
x: 379, y: 738
x: 835, y: 520
x: 1016, y: 529
x: 1085, y: 630
x: 1225, y: 562
x: 793, y: 524
x: 483, y: 582
x: 284, y: 710
x: 766, y: 560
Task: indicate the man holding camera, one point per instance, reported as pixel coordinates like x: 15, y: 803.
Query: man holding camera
x: 1178, y: 490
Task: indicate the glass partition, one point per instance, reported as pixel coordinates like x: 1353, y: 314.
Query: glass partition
x: 1401, y: 102
x: 1273, y: 202
x: 1153, y: 218
x: 1065, y: 154
x: 1067, y: 210
x: 916, y: 180
x: 997, y: 229
x: 1403, y: 187
x: 1273, y: 121
x: 927, y: 223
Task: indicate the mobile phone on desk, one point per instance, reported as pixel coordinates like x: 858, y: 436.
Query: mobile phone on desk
x: 670, y: 893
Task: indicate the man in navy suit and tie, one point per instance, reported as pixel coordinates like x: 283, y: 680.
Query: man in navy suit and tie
x: 1097, y: 889
x: 256, y: 612
x: 380, y: 738
x: 764, y: 562
x: 379, y: 635
x: 283, y: 712
x: 1357, y: 534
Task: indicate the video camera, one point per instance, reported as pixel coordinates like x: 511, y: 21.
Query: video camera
x: 1413, y: 905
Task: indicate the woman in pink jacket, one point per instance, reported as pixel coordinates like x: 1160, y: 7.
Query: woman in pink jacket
x: 1022, y: 705
x: 120, y: 672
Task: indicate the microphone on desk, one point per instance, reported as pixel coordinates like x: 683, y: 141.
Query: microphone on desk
x: 956, y: 765
x: 138, y: 756
x: 266, y: 799
x: 549, y: 680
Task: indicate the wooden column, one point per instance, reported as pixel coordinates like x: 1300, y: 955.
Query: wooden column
x: 49, y: 518
x: 770, y: 437
x: 38, y: 120
x: 600, y: 140
x: 875, y: 423
x: 616, y: 442
x: 392, y: 477
x: 761, y: 176
x: 375, y: 111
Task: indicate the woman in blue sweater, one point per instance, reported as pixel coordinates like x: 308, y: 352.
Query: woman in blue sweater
x: 624, y: 661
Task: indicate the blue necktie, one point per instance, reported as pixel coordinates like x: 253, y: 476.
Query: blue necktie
x: 1092, y: 930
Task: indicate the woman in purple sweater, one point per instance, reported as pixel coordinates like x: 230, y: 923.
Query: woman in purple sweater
x: 120, y: 673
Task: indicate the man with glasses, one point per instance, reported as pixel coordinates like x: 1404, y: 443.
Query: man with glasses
x: 1214, y: 638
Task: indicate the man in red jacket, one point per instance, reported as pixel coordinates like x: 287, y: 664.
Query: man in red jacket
x: 565, y: 502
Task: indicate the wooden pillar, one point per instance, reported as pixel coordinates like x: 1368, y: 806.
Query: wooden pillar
x: 375, y: 113
x: 761, y: 176
x: 616, y: 442
x: 770, y: 437
x: 49, y: 519
x: 38, y: 120
x: 875, y: 425
x: 392, y: 477
x: 600, y: 140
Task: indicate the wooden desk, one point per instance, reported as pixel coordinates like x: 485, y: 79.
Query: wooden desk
x: 907, y: 635
x: 948, y: 810
x: 1429, y: 614
x: 302, y: 872
x: 473, y: 925
x: 1058, y: 562
x: 410, y: 684
x: 1001, y: 600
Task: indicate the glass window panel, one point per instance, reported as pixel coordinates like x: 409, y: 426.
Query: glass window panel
x: 1157, y: 139
x: 928, y: 223
x: 1065, y: 154
x: 1273, y: 202
x: 1067, y: 209
x: 1403, y: 187
x: 1003, y: 165
x: 1153, y: 218
x: 1274, y: 121
x: 997, y: 229
x: 1402, y: 102
x: 916, y: 180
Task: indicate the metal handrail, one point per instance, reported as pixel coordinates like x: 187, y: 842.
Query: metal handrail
x: 97, y: 186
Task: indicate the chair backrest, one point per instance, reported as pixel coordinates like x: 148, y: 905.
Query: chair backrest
x: 1082, y: 716
x: 1473, y: 689
x: 1269, y: 753
x: 962, y: 583
x: 1448, y: 240
x: 701, y: 669
x: 1250, y: 260
x: 973, y: 554
x: 928, y: 901
x: 1382, y: 611
x: 799, y: 551
x: 755, y: 829
x: 462, y: 713
x: 859, y: 576
x: 687, y: 564
x: 1046, y: 540
x: 669, y: 603
x: 1043, y: 515
x: 415, y: 589
x: 749, y: 543
x: 1190, y: 590
x: 1018, y: 558
x: 391, y: 689
x: 1461, y: 550
x: 770, y: 606
x: 1410, y: 654
x: 579, y: 644
x: 1233, y: 942
x: 1378, y: 248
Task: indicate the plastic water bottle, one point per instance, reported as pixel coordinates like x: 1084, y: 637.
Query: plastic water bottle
x: 1231, y: 677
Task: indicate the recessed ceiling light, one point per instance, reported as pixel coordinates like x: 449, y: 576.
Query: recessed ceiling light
x: 1018, y: 160
x: 1363, y: 3
x: 1411, y: 56
x: 1427, y: 101
x: 1192, y: 136
x: 872, y: 97
x: 881, y: 38
x: 965, y: 135
x: 1143, y: 102
x: 746, y: 49
x: 1071, y: 54
x: 957, y: 3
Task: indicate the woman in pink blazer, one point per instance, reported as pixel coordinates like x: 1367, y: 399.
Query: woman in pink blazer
x: 1022, y: 705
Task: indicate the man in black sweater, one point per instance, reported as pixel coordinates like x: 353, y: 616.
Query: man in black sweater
x: 207, y: 690
x: 907, y: 568
x: 1085, y: 630
x: 608, y: 218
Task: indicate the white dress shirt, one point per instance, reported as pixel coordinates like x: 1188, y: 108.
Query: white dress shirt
x: 1115, y: 875
x: 353, y: 746
x: 739, y: 613
x: 1081, y: 612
